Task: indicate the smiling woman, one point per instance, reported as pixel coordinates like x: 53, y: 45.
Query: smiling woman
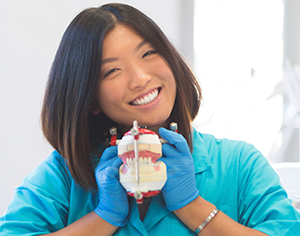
x: 136, y: 82
x: 114, y: 65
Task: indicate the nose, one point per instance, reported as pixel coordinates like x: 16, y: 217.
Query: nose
x: 139, y: 77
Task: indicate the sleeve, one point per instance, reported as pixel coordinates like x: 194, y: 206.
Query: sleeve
x: 263, y: 203
x: 40, y: 205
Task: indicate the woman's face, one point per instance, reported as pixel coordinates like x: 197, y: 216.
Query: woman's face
x: 136, y: 82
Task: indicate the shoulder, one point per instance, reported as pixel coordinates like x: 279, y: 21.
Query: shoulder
x: 225, y: 147
x: 43, y: 198
x: 244, y: 157
x: 54, y: 168
x: 230, y: 153
x: 50, y: 179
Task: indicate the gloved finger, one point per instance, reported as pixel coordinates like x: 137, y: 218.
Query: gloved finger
x: 117, y: 163
x: 169, y: 150
x: 171, y: 163
x: 112, y: 173
x: 171, y: 153
x: 114, y: 162
x: 109, y: 153
x: 175, y: 139
x: 104, y: 164
x: 177, y: 164
x: 107, y: 158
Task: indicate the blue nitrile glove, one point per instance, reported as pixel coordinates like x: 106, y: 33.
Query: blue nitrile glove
x: 180, y: 188
x: 113, y: 204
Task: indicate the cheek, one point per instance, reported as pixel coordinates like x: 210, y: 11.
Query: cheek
x: 165, y: 72
x: 170, y: 81
x: 110, y: 94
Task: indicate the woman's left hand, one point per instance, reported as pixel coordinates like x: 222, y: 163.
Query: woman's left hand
x: 180, y: 188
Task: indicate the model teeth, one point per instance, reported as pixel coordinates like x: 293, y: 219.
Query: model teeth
x: 146, y: 99
x: 143, y: 161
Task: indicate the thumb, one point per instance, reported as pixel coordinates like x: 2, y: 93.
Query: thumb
x: 175, y: 139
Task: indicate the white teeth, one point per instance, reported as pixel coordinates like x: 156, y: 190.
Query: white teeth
x: 151, y: 97
x: 147, y: 99
x: 143, y: 161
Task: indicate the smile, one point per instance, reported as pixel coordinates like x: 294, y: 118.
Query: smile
x: 146, y: 99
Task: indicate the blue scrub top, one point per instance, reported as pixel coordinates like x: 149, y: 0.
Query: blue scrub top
x: 232, y: 175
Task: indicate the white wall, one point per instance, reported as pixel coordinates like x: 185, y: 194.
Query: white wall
x: 30, y: 33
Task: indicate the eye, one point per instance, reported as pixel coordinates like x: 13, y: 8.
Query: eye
x: 149, y: 53
x: 110, y: 72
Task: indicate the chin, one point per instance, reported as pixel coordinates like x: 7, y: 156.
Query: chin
x: 161, y: 122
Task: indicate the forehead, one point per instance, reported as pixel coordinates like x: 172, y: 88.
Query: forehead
x: 121, y: 36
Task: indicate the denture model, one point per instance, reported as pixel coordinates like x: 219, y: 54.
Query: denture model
x: 141, y: 174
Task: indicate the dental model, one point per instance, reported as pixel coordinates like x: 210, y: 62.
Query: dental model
x: 141, y: 174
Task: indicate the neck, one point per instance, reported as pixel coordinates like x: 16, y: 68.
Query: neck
x: 122, y: 129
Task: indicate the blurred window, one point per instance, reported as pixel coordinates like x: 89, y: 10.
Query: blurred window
x: 238, y: 60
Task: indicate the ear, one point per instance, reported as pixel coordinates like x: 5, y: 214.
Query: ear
x: 95, y: 109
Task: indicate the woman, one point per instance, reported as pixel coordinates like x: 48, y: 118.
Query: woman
x: 113, y: 66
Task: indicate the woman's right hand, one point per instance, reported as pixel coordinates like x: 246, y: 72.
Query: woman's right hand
x: 113, y: 204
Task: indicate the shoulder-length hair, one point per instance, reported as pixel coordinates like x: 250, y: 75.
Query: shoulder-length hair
x: 66, y: 121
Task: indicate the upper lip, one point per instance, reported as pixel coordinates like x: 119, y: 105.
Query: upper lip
x: 145, y: 93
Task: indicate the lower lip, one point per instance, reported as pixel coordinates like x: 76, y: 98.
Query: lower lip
x: 151, y: 104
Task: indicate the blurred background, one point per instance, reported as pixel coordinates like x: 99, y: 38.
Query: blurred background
x: 245, y: 54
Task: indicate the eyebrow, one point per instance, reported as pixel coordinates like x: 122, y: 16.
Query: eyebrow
x: 109, y: 60
x: 112, y: 59
x: 141, y: 45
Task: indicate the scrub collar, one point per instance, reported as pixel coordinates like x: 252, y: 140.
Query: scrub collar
x: 202, y: 160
